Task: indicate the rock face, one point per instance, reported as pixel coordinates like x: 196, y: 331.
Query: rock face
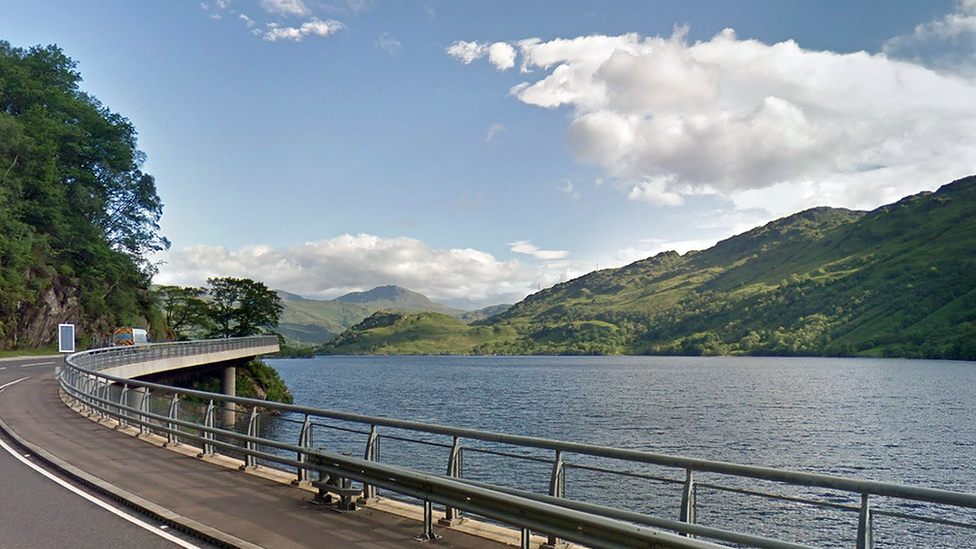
x: 37, y: 323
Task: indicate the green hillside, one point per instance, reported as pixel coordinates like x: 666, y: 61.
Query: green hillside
x: 313, y: 322
x: 386, y: 332
x: 896, y: 281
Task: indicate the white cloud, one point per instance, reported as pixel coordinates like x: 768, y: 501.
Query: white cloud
x: 247, y: 21
x: 285, y: 7
x: 526, y: 247
x: 655, y: 191
x: 314, y: 27
x: 501, y: 55
x: 389, y: 44
x: 666, y: 119
x: 494, y: 130
x: 948, y: 43
x: 333, y: 267
x: 467, y: 52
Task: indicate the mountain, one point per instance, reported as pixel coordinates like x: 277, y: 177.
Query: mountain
x: 312, y: 322
x: 395, y: 298
x: 896, y: 281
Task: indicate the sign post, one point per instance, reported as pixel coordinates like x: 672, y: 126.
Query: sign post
x: 66, y: 338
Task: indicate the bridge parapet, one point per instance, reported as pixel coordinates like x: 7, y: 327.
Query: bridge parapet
x: 135, y: 361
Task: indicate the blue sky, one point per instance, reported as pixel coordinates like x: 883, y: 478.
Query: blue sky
x: 478, y: 151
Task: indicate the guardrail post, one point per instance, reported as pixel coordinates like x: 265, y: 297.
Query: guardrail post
x: 372, y: 454
x: 123, y: 401
x: 174, y: 411
x: 144, y: 408
x: 865, y: 534
x: 688, y: 498
x: 208, y: 423
x: 428, y: 534
x: 452, y: 516
x: 557, y: 488
x: 305, y: 441
x: 86, y: 399
x: 104, y: 409
x: 250, y: 462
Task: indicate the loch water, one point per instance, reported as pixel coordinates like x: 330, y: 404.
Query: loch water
x: 903, y: 421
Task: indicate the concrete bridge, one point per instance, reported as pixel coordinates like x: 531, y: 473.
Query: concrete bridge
x: 101, y: 384
x: 154, y: 362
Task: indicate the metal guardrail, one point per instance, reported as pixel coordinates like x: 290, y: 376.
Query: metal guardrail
x: 551, y: 513
x: 108, y: 357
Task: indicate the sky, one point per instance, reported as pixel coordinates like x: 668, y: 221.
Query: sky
x: 477, y: 152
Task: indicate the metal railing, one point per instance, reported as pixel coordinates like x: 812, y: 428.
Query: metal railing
x: 189, y: 416
x: 108, y: 357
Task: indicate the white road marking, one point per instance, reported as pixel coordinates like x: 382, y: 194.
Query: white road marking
x: 38, y: 364
x: 149, y: 528
x: 165, y: 535
x: 2, y: 387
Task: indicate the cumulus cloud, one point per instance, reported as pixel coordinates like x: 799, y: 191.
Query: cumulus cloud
x: 666, y: 118
x: 525, y: 247
x: 655, y: 191
x: 333, y: 267
x: 500, y: 54
x: 314, y: 27
x: 467, y: 52
x: 285, y: 7
x: 946, y: 43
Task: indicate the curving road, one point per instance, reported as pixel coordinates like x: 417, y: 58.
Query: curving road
x: 39, y: 510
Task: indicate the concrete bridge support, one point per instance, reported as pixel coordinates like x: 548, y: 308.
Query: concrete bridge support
x: 228, y: 386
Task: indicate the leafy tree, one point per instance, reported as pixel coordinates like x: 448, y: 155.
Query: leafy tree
x: 87, y: 152
x: 241, y: 307
x: 78, y: 217
x: 186, y: 310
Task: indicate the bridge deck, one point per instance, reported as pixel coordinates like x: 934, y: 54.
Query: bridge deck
x: 262, y: 512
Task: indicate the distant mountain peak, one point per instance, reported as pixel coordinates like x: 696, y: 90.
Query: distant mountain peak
x: 381, y: 293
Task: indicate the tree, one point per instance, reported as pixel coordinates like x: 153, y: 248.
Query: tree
x: 84, y: 166
x: 187, y: 313
x: 78, y: 217
x: 241, y: 307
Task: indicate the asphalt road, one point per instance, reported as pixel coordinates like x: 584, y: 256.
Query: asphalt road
x: 38, y: 510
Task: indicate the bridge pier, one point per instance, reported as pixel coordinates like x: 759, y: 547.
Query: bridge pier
x: 228, y: 386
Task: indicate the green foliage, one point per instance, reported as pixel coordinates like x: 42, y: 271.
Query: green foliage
x: 78, y: 217
x: 241, y: 307
x: 228, y: 307
x: 186, y: 311
x: 288, y: 351
x: 896, y: 281
x: 253, y: 380
x: 258, y: 380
